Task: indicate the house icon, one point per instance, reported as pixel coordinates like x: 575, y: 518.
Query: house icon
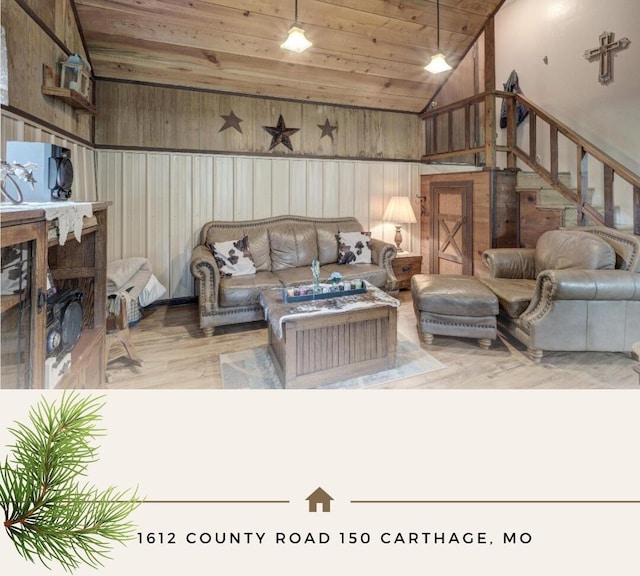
x: 319, y: 497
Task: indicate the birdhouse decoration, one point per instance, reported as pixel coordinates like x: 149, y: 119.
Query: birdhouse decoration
x: 75, y: 75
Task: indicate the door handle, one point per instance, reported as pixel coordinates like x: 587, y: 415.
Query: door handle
x: 42, y: 299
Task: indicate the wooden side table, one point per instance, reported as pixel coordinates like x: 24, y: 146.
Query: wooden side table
x: 405, y: 265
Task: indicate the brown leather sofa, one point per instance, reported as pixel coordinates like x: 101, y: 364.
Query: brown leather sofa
x: 282, y: 248
x: 579, y: 289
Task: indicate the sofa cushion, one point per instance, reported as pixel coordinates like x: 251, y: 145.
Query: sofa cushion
x: 292, y: 245
x: 291, y: 276
x: 560, y: 249
x: 258, y: 240
x: 234, y: 257
x: 354, y: 247
x: 245, y: 290
x: 513, y: 295
x: 327, y: 234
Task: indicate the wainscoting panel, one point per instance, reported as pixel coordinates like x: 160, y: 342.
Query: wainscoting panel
x: 331, y: 187
x: 280, y: 186
x: 161, y: 200
x: 180, y: 225
x: 346, y: 182
x: 203, y: 193
x: 263, y: 188
x: 243, y: 199
x: 134, y: 204
x: 158, y: 209
x: 223, y: 192
x: 297, y: 191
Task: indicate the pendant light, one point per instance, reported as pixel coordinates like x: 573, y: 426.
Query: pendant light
x: 296, y: 41
x: 438, y: 63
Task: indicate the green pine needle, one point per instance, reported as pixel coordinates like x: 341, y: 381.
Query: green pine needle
x: 48, y: 515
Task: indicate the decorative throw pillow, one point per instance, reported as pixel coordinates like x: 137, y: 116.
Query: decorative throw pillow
x: 234, y: 257
x: 354, y: 247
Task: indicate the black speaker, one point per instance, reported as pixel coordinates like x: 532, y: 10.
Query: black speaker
x: 53, y: 173
x: 64, y: 321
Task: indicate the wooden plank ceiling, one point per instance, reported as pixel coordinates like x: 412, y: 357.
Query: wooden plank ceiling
x: 365, y: 53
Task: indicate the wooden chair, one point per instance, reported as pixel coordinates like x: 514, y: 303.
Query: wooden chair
x: 118, y: 338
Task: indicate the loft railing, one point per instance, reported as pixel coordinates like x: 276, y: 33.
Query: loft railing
x: 477, y: 116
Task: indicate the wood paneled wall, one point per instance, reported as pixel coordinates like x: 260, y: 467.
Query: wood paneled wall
x: 154, y: 117
x: 30, y: 45
x: 161, y: 200
x: 84, y: 174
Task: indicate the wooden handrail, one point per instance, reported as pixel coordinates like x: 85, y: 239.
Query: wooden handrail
x: 477, y: 99
x: 572, y: 135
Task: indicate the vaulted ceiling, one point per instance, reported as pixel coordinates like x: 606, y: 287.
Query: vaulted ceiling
x: 366, y: 53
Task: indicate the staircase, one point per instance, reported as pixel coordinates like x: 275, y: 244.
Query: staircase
x: 543, y: 206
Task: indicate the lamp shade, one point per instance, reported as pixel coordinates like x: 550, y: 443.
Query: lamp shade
x: 296, y: 41
x: 399, y: 211
x: 437, y: 64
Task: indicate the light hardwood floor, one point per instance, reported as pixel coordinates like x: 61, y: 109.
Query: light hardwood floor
x: 177, y: 356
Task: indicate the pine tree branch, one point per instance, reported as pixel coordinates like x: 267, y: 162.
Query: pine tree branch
x: 48, y: 515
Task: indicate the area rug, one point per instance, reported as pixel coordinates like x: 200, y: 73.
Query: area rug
x: 253, y: 369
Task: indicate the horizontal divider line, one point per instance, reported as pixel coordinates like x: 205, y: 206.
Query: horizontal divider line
x: 214, y: 501
x: 495, y: 501
x: 139, y: 501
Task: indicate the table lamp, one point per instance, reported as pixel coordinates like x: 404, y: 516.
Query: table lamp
x: 399, y: 211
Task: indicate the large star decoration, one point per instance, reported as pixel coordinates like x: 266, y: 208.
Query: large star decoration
x: 231, y: 121
x: 327, y: 129
x: 280, y: 134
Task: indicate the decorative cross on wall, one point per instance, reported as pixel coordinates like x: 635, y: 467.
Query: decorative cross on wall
x: 604, y: 52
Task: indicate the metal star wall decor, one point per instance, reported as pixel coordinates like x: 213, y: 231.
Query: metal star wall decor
x: 231, y: 121
x: 327, y: 129
x: 280, y: 134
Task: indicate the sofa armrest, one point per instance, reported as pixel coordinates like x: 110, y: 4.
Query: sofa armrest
x: 205, y: 270
x: 572, y: 284
x: 382, y: 254
x: 510, y: 263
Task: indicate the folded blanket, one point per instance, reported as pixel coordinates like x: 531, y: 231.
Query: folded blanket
x: 128, y: 275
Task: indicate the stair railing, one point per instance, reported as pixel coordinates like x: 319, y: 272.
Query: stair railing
x: 441, y: 143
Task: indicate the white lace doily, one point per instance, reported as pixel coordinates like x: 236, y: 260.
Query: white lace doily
x: 68, y: 214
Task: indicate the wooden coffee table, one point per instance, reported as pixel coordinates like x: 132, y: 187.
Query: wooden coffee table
x: 309, y: 350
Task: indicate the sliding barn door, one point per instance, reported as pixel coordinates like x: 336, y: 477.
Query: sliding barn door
x: 451, y: 227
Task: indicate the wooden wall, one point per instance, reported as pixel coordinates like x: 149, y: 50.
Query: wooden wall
x: 165, y: 118
x: 40, y: 32
x: 161, y: 200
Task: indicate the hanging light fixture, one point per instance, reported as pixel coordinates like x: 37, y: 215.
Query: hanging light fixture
x: 438, y: 63
x: 296, y: 41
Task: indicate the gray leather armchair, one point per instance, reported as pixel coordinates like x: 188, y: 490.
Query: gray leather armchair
x: 579, y: 289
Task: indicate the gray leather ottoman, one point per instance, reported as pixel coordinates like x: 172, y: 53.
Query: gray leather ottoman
x: 450, y: 305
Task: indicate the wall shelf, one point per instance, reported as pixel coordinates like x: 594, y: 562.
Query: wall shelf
x: 71, y: 97
x: 76, y: 100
